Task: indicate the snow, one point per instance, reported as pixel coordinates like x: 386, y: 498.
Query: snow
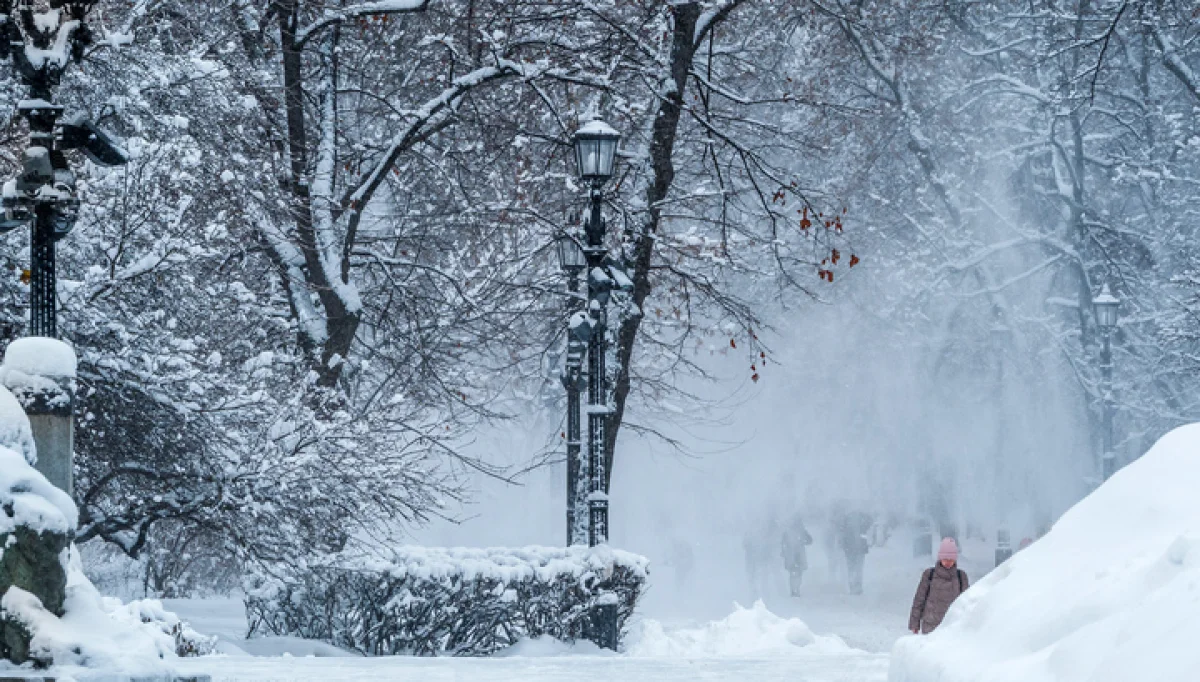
x: 97, y: 633
x: 1108, y: 595
x: 749, y: 644
x: 753, y: 631
x: 15, y: 432
x: 34, y: 502
x: 41, y: 356
x: 505, y: 564
x: 597, y: 127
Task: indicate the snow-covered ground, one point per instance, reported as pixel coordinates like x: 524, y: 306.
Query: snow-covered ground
x: 689, y: 629
x: 749, y: 644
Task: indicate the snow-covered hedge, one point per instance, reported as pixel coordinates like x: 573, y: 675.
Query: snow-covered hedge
x: 454, y: 601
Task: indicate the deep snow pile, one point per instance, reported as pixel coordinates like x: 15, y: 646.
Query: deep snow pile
x: 1109, y: 595
x: 753, y: 631
x: 27, y: 498
x: 100, y: 633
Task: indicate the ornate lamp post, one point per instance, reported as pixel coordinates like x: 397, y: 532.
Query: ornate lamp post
x: 595, y: 153
x: 573, y: 260
x: 42, y: 43
x: 1107, y: 306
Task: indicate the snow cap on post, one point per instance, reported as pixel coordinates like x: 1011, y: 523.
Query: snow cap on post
x: 40, y: 372
x: 41, y: 356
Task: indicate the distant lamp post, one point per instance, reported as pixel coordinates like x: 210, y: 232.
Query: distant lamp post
x: 1002, y: 339
x: 573, y: 260
x: 1107, y: 306
x: 595, y: 154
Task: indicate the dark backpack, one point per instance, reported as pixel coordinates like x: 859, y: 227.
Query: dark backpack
x: 929, y: 586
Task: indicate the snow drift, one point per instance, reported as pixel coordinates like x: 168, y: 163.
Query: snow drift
x: 100, y: 634
x: 1108, y: 595
x: 753, y: 631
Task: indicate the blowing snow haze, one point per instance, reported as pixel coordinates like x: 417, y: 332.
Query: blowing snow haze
x: 819, y: 308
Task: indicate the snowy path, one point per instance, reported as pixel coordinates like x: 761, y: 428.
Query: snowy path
x: 861, y: 667
x: 749, y: 645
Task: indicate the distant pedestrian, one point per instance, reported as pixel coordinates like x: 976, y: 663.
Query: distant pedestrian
x: 938, y: 589
x: 1025, y: 542
x: 852, y: 529
x: 796, y: 540
x: 683, y: 559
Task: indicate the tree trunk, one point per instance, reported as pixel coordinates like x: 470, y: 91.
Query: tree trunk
x: 662, y: 169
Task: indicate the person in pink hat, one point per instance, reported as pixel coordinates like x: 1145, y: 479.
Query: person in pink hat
x: 938, y: 589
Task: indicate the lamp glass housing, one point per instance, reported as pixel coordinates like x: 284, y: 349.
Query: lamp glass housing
x: 1106, y: 306
x: 571, y: 257
x: 596, y: 151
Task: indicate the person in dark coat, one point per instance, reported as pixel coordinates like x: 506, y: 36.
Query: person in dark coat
x: 938, y: 589
x: 795, y: 553
x: 852, y: 529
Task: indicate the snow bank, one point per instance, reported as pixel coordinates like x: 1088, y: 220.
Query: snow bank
x: 100, y: 634
x: 745, y: 632
x: 1109, y: 595
x: 28, y: 499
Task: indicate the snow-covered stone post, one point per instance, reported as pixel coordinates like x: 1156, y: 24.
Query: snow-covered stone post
x: 37, y: 524
x: 40, y: 372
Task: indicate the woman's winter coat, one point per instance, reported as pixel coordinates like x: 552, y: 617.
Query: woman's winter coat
x: 938, y: 589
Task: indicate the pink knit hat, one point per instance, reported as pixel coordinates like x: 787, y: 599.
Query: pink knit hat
x: 948, y: 550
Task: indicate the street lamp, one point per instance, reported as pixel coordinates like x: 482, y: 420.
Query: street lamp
x: 43, y: 194
x: 1002, y: 338
x: 1106, y: 307
x: 595, y: 153
x: 573, y: 260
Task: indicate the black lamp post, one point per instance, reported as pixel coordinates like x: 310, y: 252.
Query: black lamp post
x: 1001, y: 339
x: 595, y: 153
x: 41, y: 45
x: 1107, y: 306
x: 573, y: 260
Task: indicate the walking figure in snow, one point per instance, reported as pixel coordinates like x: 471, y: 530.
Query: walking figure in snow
x: 851, y: 530
x: 795, y: 553
x: 938, y: 589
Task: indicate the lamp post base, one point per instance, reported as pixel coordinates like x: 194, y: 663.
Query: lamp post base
x: 601, y: 626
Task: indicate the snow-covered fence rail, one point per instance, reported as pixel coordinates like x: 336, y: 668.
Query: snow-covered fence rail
x: 452, y: 601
